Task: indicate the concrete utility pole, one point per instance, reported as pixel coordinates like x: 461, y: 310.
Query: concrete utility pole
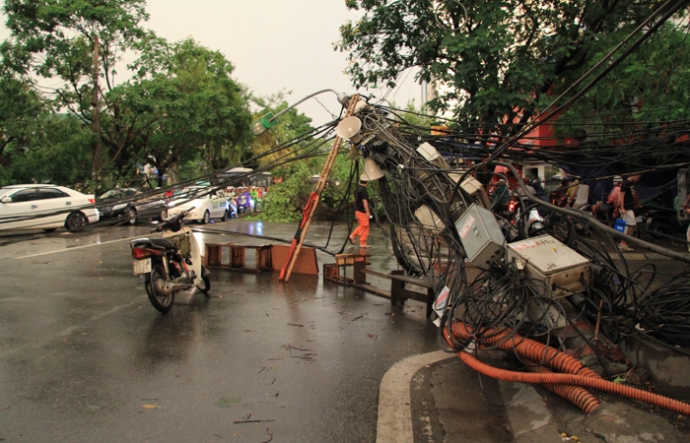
x: 95, y: 121
x: 313, y: 202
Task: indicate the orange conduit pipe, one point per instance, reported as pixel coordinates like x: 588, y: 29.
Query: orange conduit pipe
x: 578, y: 396
x: 572, y: 379
x: 531, y: 349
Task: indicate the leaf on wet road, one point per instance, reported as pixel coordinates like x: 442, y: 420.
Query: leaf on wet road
x: 224, y: 402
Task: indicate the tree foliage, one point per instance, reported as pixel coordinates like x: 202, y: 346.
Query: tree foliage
x: 652, y: 85
x: 178, y: 102
x: 182, y: 104
x: 289, y: 126
x: 56, y: 38
x: 497, y: 60
x: 20, y: 106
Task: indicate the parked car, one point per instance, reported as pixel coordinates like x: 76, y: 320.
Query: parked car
x: 202, y: 203
x: 46, y: 207
x: 129, y: 203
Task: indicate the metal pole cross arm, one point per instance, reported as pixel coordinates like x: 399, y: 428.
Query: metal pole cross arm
x: 313, y: 203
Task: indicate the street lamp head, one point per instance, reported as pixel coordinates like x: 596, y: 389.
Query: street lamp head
x: 268, y: 121
x: 263, y: 124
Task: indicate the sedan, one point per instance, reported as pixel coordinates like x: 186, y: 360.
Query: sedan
x: 202, y: 203
x: 46, y: 207
x: 129, y: 204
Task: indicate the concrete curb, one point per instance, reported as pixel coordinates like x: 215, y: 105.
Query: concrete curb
x: 394, y: 423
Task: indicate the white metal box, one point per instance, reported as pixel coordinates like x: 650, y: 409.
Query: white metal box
x: 544, y: 258
x: 476, y: 191
x: 481, y: 236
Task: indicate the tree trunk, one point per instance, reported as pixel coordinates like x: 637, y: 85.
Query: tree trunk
x: 95, y: 123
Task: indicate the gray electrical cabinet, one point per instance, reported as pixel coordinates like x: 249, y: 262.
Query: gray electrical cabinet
x: 546, y: 259
x: 481, y: 236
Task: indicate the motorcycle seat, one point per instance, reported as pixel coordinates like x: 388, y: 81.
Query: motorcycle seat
x: 162, y: 242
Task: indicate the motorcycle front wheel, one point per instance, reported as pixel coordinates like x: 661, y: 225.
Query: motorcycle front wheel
x: 155, y: 283
x: 204, y: 286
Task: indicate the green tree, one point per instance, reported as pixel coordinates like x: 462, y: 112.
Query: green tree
x: 492, y: 61
x: 181, y: 105
x: 290, y: 126
x: 652, y: 85
x: 60, y: 39
x: 58, y: 151
x: 20, y: 107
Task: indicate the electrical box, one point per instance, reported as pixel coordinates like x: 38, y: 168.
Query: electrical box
x: 476, y: 192
x: 429, y: 219
x: 428, y: 152
x: 481, y: 236
x: 545, y: 258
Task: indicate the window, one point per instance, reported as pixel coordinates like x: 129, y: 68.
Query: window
x: 25, y: 195
x: 48, y: 193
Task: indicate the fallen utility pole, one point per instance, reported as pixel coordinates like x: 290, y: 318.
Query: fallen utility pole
x: 313, y: 202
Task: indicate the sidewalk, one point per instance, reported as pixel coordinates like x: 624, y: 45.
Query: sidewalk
x: 450, y: 403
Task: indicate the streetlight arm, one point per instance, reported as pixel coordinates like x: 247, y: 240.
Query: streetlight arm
x: 260, y: 126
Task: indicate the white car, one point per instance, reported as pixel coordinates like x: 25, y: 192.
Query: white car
x: 46, y: 207
x: 202, y: 203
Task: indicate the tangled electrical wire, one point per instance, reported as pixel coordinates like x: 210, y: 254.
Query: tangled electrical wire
x: 308, y: 145
x: 499, y: 301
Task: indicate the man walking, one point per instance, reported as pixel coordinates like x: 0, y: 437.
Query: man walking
x: 626, y: 201
x: 614, y: 196
x: 362, y: 214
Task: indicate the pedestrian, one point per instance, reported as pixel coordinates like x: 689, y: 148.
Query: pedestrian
x: 626, y: 203
x: 571, y: 193
x: 614, y: 195
x: 501, y: 196
x: 362, y: 214
x: 686, y: 208
x: 539, y: 190
x: 559, y: 196
x: 528, y: 187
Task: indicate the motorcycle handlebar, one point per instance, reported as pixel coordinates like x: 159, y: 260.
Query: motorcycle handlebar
x: 170, y: 221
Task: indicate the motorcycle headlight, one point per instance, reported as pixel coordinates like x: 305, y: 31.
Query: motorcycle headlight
x: 171, y: 204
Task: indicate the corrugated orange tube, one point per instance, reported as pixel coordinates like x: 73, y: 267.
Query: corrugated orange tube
x: 580, y: 397
x: 531, y: 349
x: 572, y: 379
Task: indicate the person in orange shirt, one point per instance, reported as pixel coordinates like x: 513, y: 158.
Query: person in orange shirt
x: 362, y: 214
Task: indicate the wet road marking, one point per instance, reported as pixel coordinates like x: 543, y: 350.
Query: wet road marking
x: 75, y: 247
x: 394, y: 423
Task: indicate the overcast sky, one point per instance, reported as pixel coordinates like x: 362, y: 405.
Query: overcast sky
x: 274, y: 45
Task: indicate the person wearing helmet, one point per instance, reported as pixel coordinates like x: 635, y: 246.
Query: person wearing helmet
x: 362, y: 214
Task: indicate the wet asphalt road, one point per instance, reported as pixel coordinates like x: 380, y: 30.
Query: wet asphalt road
x: 84, y: 357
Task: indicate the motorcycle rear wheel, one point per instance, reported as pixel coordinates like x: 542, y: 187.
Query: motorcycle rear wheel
x: 204, y: 286
x: 154, y: 288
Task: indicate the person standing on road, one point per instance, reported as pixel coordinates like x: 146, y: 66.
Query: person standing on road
x: 626, y: 201
x: 687, y: 210
x: 615, y: 195
x: 362, y: 214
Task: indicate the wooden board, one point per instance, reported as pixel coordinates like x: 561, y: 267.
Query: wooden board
x: 305, y: 263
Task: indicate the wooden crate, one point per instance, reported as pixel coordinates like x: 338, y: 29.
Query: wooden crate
x: 306, y: 262
x: 214, y: 254
x: 237, y: 256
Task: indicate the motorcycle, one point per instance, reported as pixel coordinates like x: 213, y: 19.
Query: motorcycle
x: 244, y: 203
x: 662, y: 222
x: 170, y: 264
